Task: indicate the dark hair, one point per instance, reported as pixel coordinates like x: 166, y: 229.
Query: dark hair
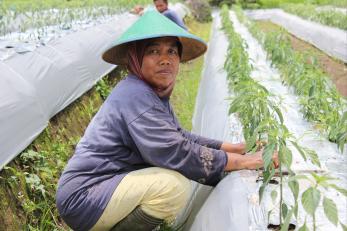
x: 180, y: 48
x: 165, y: 1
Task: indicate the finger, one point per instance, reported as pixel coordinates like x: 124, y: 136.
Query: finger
x: 276, y: 164
x: 259, y: 154
x: 275, y: 159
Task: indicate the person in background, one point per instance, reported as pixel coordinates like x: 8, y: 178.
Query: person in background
x: 162, y: 7
x: 138, y: 9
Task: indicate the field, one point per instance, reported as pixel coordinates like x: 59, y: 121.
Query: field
x: 285, y: 91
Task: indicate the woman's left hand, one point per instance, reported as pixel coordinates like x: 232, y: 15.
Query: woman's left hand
x: 239, y: 148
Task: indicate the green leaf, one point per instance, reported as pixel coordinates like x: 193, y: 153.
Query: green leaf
x: 286, y: 156
x: 267, y: 154
x: 302, y: 153
x: 344, y: 227
x: 299, y: 177
x: 330, y: 210
x: 285, y: 225
x: 273, y: 195
x: 261, y: 192
x: 311, y: 92
x: 267, y: 177
x: 251, y: 142
x: 313, y: 157
x: 339, y: 189
x: 295, y: 209
x: 303, y: 227
x: 234, y: 106
x: 279, y: 113
x: 284, y: 210
x: 344, y: 117
x: 294, y: 187
x: 322, y: 180
x: 310, y: 200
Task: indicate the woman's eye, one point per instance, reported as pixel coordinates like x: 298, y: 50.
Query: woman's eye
x: 154, y: 51
x: 173, y: 52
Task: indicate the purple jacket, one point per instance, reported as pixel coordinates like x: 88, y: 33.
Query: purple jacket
x: 133, y: 129
x: 170, y: 14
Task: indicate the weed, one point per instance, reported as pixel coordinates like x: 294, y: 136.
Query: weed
x: 103, y: 88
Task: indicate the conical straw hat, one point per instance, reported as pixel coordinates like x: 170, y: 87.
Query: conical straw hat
x: 153, y: 25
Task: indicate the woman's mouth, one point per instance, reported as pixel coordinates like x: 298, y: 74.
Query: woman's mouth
x: 165, y: 72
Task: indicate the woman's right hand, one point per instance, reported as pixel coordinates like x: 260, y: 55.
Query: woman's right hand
x: 254, y: 161
x: 248, y: 161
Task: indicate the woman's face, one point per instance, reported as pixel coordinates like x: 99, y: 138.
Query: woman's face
x: 160, y: 62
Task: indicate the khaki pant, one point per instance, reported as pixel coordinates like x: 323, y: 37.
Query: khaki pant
x: 160, y: 192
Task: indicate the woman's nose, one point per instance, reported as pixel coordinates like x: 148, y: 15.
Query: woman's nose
x: 164, y: 59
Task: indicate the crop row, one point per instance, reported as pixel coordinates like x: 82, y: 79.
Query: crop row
x: 278, y: 3
x: 19, y: 17
x: 22, y: 6
x: 261, y: 117
x: 329, y: 17
x: 14, y: 22
x: 258, y: 113
x: 320, y: 101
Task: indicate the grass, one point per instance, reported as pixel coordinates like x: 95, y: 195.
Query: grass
x: 186, y: 89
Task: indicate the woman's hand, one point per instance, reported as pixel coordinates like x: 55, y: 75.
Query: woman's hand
x: 239, y: 148
x: 248, y: 161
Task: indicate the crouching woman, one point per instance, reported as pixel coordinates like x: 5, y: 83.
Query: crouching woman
x: 132, y: 168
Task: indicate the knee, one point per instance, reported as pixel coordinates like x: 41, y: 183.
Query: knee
x: 171, y: 193
x: 180, y: 189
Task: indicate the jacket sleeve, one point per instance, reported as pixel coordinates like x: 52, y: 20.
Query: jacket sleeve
x: 204, y: 141
x: 162, y: 144
x: 210, y: 143
x: 175, y: 18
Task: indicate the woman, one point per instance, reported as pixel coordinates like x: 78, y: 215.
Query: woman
x: 130, y: 170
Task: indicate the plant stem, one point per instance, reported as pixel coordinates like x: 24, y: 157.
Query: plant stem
x: 281, y: 191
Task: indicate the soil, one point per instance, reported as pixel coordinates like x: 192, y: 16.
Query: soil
x: 335, y: 69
